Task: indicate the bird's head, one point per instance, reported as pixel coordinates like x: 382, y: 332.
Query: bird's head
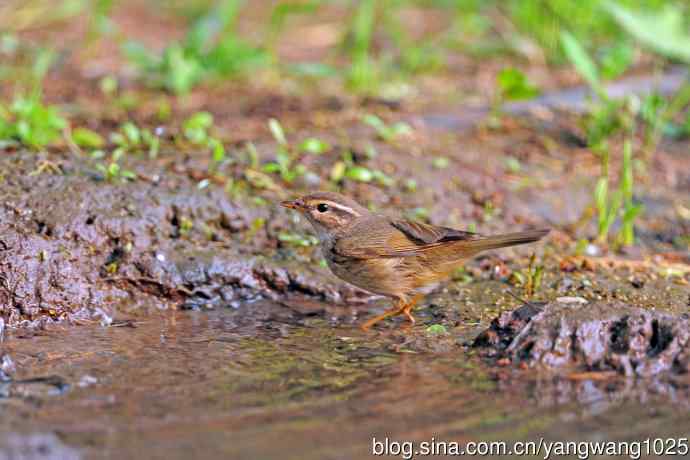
x: 328, y: 212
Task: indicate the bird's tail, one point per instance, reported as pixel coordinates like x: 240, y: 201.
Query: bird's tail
x: 507, y: 239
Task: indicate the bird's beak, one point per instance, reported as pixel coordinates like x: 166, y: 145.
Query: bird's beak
x: 296, y: 204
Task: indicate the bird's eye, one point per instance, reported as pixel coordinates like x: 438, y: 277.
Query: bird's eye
x: 322, y: 207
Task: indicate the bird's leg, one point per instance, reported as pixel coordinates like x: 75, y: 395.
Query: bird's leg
x: 402, y: 307
x: 407, y: 310
x: 396, y: 310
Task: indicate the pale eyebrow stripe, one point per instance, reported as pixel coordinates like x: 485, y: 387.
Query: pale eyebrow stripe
x: 341, y: 207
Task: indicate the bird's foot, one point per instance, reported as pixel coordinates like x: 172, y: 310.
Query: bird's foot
x: 388, y: 313
x: 403, y: 308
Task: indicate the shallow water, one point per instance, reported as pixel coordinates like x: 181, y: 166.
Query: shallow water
x: 262, y: 382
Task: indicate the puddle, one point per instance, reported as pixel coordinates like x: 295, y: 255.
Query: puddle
x: 262, y: 382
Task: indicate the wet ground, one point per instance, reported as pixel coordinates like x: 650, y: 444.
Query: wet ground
x: 255, y: 382
x: 155, y: 318
x: 184, y: 314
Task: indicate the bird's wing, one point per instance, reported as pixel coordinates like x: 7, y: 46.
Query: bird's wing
x: 431, y: 234
x: 396, y: 238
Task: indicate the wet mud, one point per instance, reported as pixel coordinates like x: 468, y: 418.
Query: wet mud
x: 591, y: 337
x: 73, y: 246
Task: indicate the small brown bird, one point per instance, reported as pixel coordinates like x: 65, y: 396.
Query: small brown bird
x: 397, y: 258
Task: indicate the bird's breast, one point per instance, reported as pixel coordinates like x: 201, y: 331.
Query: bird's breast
x: 380, y: 276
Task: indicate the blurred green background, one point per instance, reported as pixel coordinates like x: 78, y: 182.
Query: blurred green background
x: 178, y: 44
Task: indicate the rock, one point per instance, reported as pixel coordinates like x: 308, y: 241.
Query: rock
x: 593, y: 337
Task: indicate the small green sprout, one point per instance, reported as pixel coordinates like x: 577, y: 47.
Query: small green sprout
x: 87, y: 138
x: 347, y: 169
x: 287, y: 162
x: 631, y: 210
x: 108, y: 85
x: 514, y: 86
x: 132, y: 139
x: 186, y: 225
x: 359, y: 174
x: 211, y: 48
x: 314, y: 145
x: 513, y: 165
x: 196, y: 129
x: 284, y: 165
x: 386, y: 132
x: 295, y: 239
x: 252, y: 155
x: 363, y: 73
x: 30, y: 123
x: 114, y: 173
x: 338, y: 171
x: 440, y: 162
x: 277, y: 132
x: 534, y: 276
x: 436, y: 329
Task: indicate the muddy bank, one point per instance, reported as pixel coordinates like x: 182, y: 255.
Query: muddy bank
x: 581, y: 336
x: 73, y: 246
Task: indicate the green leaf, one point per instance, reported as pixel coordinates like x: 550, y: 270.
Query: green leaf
x: 601, y: 195
x: 383, y: 179
x: 127, y: 174
x: 440, y: 162
x: 179, y: 72
x: 338, y: 171
x: 314, y: 146
x: 42, y: 63
x: 277, y: 132
x: 436, y: 329
x: 513, y: 85
x: 616, y: 60
x: 663, y: 31
x: 582, y: 62
x: 30, y: 122
x: 196, y: 127
x: 199, y: 120
x: 384, y: 131
x: 86, y: 138
x: 108, y: 85
x: 375, y: 122
x: 208, y: 27
x: 234, y: 56
x: 154, y: 146
x: 218, y: 151
x: 359, y: 174
x: 298, y: 240
x: 132, y: 133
